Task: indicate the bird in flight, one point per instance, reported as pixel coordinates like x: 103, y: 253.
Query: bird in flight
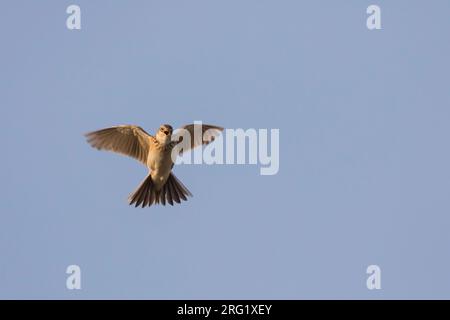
x: 160, y: 185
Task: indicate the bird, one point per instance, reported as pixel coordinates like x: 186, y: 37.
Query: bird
x: 160, y: 186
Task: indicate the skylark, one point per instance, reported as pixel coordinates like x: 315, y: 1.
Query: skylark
x: 160, y: 185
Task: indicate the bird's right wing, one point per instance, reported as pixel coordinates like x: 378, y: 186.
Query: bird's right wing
x: 129, y: 140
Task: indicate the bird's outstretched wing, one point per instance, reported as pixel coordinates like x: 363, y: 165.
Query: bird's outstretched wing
x: 200, y: 134
x: 129, y: 140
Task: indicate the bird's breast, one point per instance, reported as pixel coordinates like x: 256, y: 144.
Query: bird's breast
x: 160, y: 164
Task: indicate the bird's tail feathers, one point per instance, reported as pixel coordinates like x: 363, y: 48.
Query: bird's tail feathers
x: 147, y: 195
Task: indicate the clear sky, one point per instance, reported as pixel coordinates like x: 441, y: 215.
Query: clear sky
x: 364, y: 149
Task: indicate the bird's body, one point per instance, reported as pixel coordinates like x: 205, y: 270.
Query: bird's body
x: 155, y: 152
x: 159, y: 162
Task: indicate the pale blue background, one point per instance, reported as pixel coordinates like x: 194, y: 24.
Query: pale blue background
x: 364, y: 124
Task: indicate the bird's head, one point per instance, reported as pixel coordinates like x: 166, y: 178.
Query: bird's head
x: 164, y: 134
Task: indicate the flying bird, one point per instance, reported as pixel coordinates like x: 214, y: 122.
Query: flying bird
x: 155, y: 152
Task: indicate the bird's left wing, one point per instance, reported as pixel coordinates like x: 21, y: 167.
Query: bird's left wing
x: 129, y: 140
x: 199, y: 134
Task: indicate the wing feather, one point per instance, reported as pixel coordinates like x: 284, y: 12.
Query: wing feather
x: 128, y: 140
x: 199, y: 134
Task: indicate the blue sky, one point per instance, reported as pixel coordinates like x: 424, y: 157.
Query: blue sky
x: 363, y: 118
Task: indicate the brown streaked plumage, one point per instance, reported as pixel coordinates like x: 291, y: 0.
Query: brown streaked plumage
x: 160, y: 185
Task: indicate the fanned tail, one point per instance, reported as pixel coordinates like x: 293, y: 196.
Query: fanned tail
x: 147, y: 195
